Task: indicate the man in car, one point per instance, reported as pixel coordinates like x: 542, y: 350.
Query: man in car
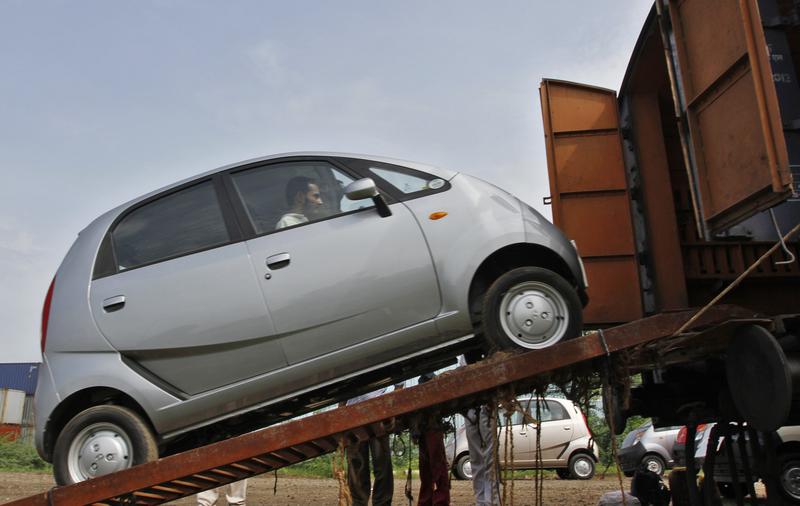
x: 304, y: 201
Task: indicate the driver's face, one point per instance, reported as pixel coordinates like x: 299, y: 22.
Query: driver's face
x: 313, y: 197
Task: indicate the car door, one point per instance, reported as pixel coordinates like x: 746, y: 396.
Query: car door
x: 346, y: 288
x: 516, y: 437
x: 177, y: 297
x: 557, y: 431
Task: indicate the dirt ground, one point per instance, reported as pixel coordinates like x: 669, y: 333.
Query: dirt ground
x: 319, y: 492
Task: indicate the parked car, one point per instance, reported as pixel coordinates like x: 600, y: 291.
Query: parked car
x: 271, y: 287
x: 788, y: 453
x: 648, y: 447
x: 566, y: 443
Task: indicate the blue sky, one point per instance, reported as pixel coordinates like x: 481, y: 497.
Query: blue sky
x: 103, y: 101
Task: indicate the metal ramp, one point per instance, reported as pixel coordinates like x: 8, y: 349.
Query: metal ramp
x: 646, y: 342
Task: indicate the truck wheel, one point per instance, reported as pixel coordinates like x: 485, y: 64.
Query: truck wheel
x: 789, y: 477
x: 101, y: 440
x: 463, y: 469
x: 581, y: 467
x: 653, y: 463
x: 530, y: 308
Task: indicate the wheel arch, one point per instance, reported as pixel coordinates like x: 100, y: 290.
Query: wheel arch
x: 84, y: 399
x: 513, y: 256
x: 583, y: 451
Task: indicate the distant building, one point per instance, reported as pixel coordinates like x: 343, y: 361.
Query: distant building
x: 17, y: 386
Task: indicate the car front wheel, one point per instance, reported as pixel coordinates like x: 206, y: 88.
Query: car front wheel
x: 581, y: 467
x: 102, y: 440
x: 530, y: 308
x: 654, y: 463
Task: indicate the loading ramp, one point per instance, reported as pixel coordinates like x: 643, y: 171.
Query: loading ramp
x: 646, y: 343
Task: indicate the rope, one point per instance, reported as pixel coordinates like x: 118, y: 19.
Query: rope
x: 345, y: 499
x: 407, y: 490
x: 608, y: 399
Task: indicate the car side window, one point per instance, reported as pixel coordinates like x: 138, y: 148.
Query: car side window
x: 554, y: 411
x: 291, y: 194
x: 183, y: 222
x: 407, y: 183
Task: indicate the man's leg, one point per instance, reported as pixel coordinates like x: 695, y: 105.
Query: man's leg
x: 237, y: 493
x: 481, y: 434
x: 383, y: 489
x: 208, y: 498
x: 440, y: 473
x: 358, y: 473
x: 425, y: 473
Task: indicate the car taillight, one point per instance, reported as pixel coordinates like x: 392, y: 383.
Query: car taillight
x: 46, y: 312
x: 700, y: 429
x: 681, y: 439
x: 586, y: 423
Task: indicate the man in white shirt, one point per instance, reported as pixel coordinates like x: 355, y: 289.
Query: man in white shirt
x: 303, y: 198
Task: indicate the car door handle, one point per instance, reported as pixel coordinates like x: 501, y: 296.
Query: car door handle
x: 279, y: 260
x: 566, y: 427
x: 114, y: 303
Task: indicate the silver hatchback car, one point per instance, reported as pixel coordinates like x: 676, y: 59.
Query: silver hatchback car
x: 275, y: 286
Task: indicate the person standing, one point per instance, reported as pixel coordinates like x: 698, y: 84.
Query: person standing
x: 434, y: 473
x: 481, y: 429
x: 358, y: 465
x: 236, y: 494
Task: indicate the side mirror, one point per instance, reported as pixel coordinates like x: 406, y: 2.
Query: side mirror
x: 361, y: 189
x: 365, y: 189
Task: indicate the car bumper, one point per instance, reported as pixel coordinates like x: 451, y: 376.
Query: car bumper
x: 629, y: 457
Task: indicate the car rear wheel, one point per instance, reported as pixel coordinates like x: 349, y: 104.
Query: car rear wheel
x: 654, y: 463
x: 463, y: 469
x: 530, y: 308
x: 581, y: 467
x: 102, y: 440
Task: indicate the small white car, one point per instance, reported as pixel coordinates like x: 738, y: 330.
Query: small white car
x: 566, y: 443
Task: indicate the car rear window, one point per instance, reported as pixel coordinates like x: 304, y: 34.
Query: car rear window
x: 183, y: 222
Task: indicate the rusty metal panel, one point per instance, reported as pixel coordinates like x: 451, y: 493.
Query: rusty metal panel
x: 612, y: 280
x: 659, y: 208
x: 590, y: 198
x: 739, y: 162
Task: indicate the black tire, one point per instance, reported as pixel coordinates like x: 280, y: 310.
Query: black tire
x: 563, y: 474
x: 654, y: 463
x: 581, y: 467
x: 117, y: 432
x: 789, y: 477
x: 461, y: 470
x: 530, y: 308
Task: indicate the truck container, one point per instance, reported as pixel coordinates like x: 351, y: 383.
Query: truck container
x: 670, y: 188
